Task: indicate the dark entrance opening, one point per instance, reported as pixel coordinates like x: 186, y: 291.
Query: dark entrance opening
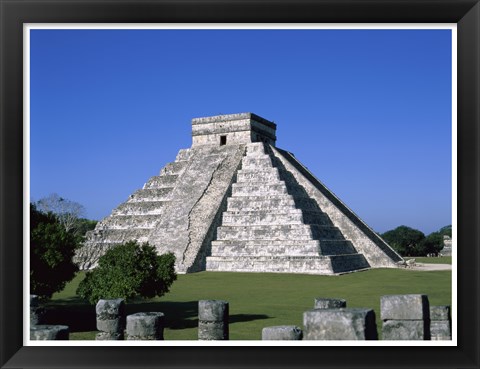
x: 223, y: 140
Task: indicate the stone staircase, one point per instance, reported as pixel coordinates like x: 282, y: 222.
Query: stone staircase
x: 135, y: 218
x: 272, y: 225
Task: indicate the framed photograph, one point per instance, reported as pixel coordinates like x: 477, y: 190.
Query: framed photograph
x: 39, y: 39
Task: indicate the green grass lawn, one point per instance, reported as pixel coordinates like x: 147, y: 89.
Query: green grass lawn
x: 256, y: 300
x: 425, y: 260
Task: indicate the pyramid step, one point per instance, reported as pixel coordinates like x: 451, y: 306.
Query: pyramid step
x: 295, y: 216
x: 176, y: 167
x: 140, y: 208
x: 184, y: 154
x: 151, y: 194
x: 257, y: 148
x: 271, y: 264
x: 161, y: 181
x: 247, y: 189
x: 348, y: 263
x: 336, y: 247
x: 259, y: 175
x: 130, y: 221
x: 266, y: 243
x: 254, y: 162
x: 278, y: 232
x: 121, y: 235
x: 288, y: 264
x: 274, y: 202
x: 266, y: 189
x: 252, y: 203
x: 270, y: 249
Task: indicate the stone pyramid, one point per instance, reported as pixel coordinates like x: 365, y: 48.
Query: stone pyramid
x: 235, y: 202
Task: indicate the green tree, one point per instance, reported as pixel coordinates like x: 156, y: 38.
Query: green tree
x: 51, y: 252
x: 432, y: 244
x: 83, y: 226
x: 404, y: 240
x: 446, y: 231
x: 127, y: 271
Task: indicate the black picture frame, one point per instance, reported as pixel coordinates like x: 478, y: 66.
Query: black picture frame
x: 14, y: 13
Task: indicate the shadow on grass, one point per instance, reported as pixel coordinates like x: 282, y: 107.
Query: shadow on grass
x: 81, y: 317
x: 239, y: 318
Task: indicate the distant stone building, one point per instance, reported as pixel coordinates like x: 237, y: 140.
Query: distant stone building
x: 447, y: 246
x: 235, y: 202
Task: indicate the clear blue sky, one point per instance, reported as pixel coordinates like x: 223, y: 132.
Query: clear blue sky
x: 367, y: 111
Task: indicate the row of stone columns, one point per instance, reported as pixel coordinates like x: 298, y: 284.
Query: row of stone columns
x: 112, y: 322
x: 404, y: 317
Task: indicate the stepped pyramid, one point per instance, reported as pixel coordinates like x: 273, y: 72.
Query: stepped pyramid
x: 235, y: 202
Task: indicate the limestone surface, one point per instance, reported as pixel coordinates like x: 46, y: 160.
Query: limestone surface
x: 111, y: 316
x: 49, y: 332
x: 145, y: 326
x: 327, y: 303
x: 440, y: 323
x: 406, y: 330
x: 440, y: 330
x: 282, y: 333
x: 235, y: 202
x: 213, y: 320
x: 404, y: 307
x: 441, y: 312
x: 340, y: 324
x: 37, y: 313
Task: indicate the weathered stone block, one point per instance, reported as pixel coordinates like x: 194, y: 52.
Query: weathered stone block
x: 37, y: 313
x: 145, y: 326
x: 440, y: 330
x: 406, y: 330
x: 213, y: 310
x: 111, y: 315
x: 440, y: 313
x: 213, y: 320
x: 326, y: 303
x: 49, y: 332
x: 340, y: 324
x: 282, y: 333
x: 404, y: 307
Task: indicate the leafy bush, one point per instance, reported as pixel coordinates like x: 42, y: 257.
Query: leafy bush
x: 127, y: 271
x: 51, y: 252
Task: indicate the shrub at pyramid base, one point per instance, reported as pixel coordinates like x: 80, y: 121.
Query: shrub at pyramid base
x: 235, y: 202
x: 127, y: 271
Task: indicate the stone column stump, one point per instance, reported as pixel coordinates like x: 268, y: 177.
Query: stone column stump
x: 212, y: 320
x: 145, y: 326
x: 110, y: 319
x: 440, y: 323
x: 327, y: 303
x: 49, y: 332
x: 282, y: 333
x: 37, y: 313
x: 405, y: 317
x: 340, y: 324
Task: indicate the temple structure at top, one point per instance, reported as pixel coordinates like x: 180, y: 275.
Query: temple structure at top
x: 233, y: 201
x: 233, y: 129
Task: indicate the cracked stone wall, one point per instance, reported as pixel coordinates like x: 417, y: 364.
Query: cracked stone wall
x: 196, y: 201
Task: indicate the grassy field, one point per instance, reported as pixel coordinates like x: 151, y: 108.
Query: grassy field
x: 425, y: 260
x: 256, y: 300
